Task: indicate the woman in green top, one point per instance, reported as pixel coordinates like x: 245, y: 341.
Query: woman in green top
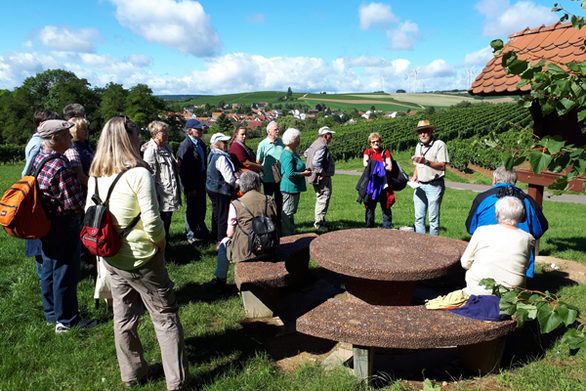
x: 292, y: 184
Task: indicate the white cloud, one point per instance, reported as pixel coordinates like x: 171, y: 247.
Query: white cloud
x: 182, y: 25
x: 256, y: 18
x: 480, y: 57
x: 67, y: 38
x: 404, y: 37
x: 375, y: 14
x: 437, y: 68
x: 511, y: 19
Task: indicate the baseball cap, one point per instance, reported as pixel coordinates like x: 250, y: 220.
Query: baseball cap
x: 218, y: 137
x: 324, y: 130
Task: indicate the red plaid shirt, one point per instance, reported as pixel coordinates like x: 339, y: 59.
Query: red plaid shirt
x: 62, y: 193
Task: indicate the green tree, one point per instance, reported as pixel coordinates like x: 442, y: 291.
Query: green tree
x: 223, y: 125
x: 113, y: 102
x: 37, y: 88
x: 141, y: 106
x: 289, y: 93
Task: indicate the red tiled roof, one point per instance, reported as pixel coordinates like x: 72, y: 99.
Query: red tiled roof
x: 559, y: 43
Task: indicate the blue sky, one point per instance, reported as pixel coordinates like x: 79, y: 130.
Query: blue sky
x: 217, y: 46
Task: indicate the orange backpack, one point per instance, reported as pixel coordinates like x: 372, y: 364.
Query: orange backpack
x: 21, y: 210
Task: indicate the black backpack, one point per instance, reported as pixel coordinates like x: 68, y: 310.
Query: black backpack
x: 398, y: 177
x: 263, y: 238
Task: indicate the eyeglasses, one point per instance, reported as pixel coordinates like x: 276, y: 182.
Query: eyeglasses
x: 375, y: 142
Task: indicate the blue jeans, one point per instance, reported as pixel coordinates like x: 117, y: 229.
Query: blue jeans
x: 370, y: 209
x: 59, y: 272
x: 428, y: 198
x: 222, y: 264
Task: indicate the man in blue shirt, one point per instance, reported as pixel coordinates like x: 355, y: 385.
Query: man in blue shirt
x: 192, y: 156
x: 483, y: 212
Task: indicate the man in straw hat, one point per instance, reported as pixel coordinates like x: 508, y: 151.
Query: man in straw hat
x: 430, y: 159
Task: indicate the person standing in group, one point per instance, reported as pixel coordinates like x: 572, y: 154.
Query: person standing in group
x: 292, y: 184
x: 430, y: 160
x: 242, y: 155
x: 73, y: 110
x: 383, y: 194
x: 138, y: 276
x: 159, y: 156
x: 32, y: 247
x: 192, y: 155
x: 220, y: 184
x: 81, y: 142
x: 268, y: 153
x: 62, y: 198
x: 322, y: 166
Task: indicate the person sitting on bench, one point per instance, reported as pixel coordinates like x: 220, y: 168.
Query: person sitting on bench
x: 234, y: 247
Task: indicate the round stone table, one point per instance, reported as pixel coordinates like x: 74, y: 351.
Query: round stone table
x: 382, y: 266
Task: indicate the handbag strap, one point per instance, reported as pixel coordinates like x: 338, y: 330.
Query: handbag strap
x: 248, y: 210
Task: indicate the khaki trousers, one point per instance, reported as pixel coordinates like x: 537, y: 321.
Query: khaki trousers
x: 323, y: 193
x: 150, y: 285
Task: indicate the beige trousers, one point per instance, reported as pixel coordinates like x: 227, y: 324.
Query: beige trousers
x: 150, y: 285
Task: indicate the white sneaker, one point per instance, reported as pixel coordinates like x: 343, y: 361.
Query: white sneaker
x: 84, y: 324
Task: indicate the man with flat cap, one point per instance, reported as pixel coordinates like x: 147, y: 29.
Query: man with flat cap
x: 59, y: 271
x: 323, y: 167
x: 192, y: 156
x: 430, y: 160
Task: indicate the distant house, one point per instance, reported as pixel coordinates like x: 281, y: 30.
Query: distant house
x: 216, y: 114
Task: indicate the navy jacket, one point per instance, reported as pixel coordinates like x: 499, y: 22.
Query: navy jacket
x: 190, y: 165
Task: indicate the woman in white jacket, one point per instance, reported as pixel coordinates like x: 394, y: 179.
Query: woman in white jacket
x: 137, y: 273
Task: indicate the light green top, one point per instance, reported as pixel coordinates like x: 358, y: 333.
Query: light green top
x: 268, y: 153
x: 134, y: 193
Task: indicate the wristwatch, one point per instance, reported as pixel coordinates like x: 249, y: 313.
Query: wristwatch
x: 427, y: 163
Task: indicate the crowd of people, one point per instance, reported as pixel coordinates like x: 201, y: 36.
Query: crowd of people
x: 241, y: 185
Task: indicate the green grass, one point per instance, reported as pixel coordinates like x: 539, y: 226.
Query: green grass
x: 218, y: 347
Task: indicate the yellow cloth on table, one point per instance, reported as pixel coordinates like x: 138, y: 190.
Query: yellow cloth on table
x: 453, y: 299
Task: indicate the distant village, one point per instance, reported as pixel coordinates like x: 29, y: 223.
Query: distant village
x: 261, y: 113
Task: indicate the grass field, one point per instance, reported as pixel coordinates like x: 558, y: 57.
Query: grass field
x: 222, y: 350
x: 386, y: 102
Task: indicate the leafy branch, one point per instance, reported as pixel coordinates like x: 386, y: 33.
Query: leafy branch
x: 559, y: 89
x: 545, y: 307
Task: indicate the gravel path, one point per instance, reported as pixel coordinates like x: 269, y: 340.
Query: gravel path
x: 578, y: 199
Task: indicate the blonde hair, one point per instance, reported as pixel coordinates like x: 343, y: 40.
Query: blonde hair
x: 115, y: 152
x: 157, y: 127
x: 80, y: 123
x: 374, y: 136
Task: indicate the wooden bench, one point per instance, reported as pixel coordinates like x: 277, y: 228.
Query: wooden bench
x: 259, y: 281
x: 367, y: 327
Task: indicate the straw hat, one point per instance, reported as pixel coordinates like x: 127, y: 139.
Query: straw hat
x: 423, y: 125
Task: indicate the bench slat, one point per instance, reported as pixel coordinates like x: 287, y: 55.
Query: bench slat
x: 400, y: 327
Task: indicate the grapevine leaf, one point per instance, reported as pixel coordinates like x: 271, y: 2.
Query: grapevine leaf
x: 549, y: 322
x: 553, y: 68
x: 489, y: 283
x: 497, y: 46
x: 568, y: 315
x: 554, y: 145
x: 518, y: 66
x: 521, y: 315
x: 574, y: 339
x: 577, y: 22
x: 559, y: 184
x: 574, y: 66
x: 509, y: 58
x: 530, y: 309
x: 547, y: 108
x: 538, y: 161
x: 519, y: 160
x: 581, y: 115
x: 564, y: 18
x: 567, y: 104
x: 508, y: 160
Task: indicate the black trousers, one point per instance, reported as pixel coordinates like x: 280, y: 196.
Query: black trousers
x: 274, y: 189
x: 220, y: 208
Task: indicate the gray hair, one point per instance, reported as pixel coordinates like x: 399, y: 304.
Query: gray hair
x: 249, y: 180
x: 502, y: 175
x: 47, y: 142
x: 510, y: 210
x: 290, y: 135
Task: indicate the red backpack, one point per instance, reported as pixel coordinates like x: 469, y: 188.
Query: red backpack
x: 98, y: 233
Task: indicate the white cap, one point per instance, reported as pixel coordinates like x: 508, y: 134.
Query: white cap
x: 324, y: 130
x: 218, y: 137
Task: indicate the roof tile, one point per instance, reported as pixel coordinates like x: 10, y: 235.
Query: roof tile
x: 558, y: 43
